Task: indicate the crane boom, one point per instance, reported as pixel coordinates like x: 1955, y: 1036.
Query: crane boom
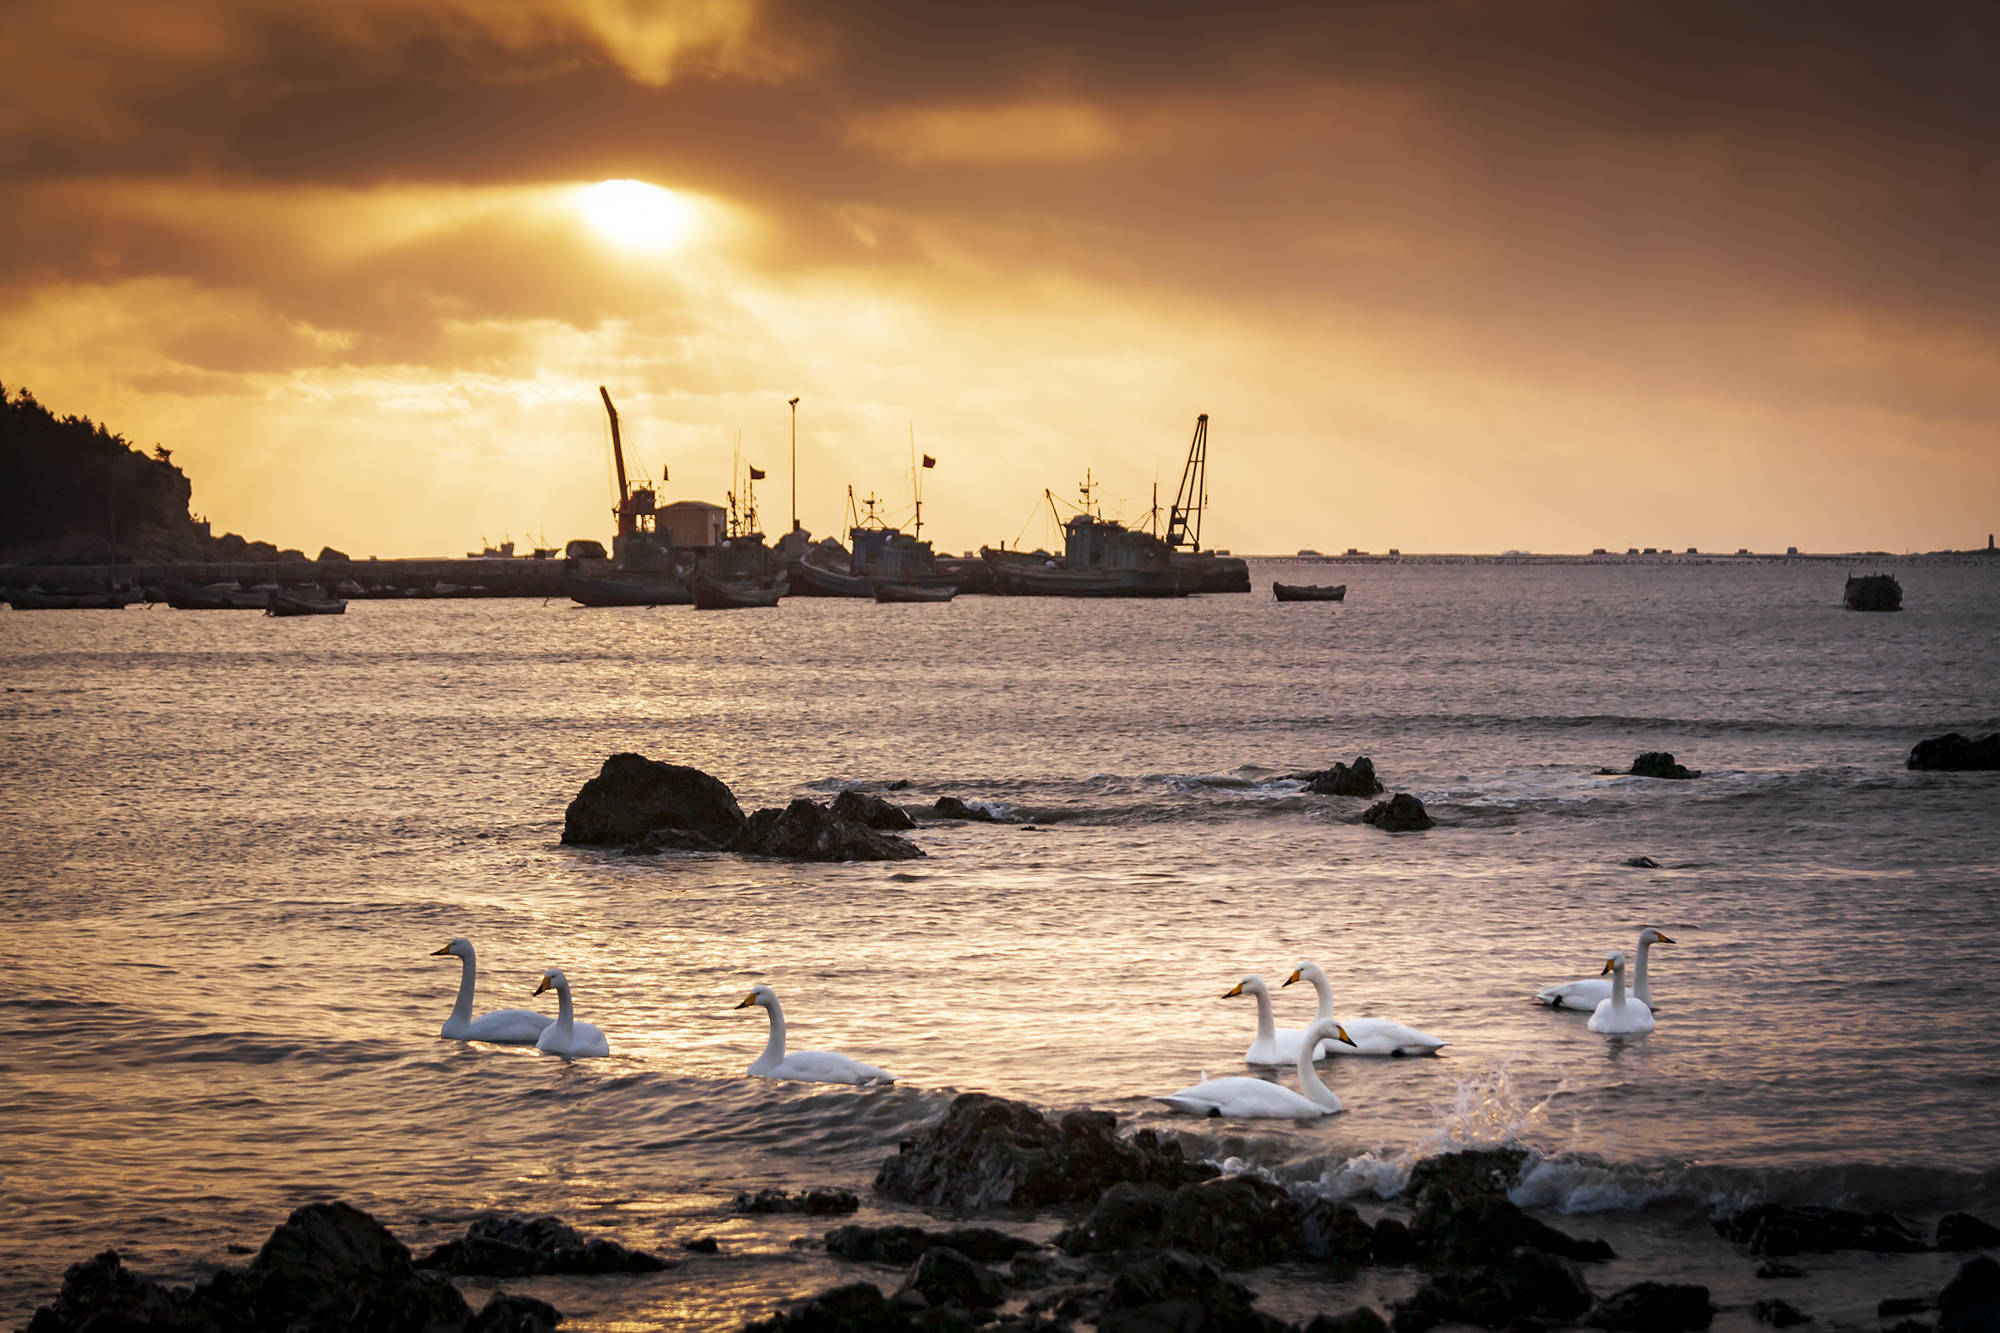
x: 1184, y: 519
x: 617, y: 454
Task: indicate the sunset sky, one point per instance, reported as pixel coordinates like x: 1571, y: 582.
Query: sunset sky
x: 1446, y: 276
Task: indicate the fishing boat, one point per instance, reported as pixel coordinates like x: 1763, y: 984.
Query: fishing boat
x: 1873, y: 592
x: 880, y: 553
x: 215, y: 597
x: 1309, y: 592
x: 33, y: 599
x: 913, y: 592
x: 714, y: 593
x: 631, y: 589
x: 293, y: 604
x: 1101, y: 558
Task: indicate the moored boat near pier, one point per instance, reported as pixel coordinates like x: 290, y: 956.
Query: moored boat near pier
x: 912, y: 592
x: 1309, y: 592
x: 299, y: 604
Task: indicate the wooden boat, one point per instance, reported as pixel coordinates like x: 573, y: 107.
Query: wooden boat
x: 719, y: 594
x: 1873, y: 592
x: 630, y: 590
x: 291, y: 604
x: 29, y: 599
x: 215, y: 597
x: 1309, y: 592
x: 910, y: 592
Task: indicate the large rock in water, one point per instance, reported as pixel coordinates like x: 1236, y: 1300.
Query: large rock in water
x: 508, y: 1245
x: 1970, y: 1302
x: 1343, y: 780
x: 808, y: 831
x: 861, y: 808
x: 1401, y: 813
x: 1655, y: 1307
x: 1240, y: 1220
x: 635, y: 800
x: 1953, y: 753
x: 1509, y: 1292
x: 1783, y: 1229
x: 1660, y: 764
x: 989, y: 1152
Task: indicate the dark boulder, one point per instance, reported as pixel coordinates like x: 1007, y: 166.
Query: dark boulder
x: 989, y: 1152
x: 1467, y: 1172
x: 1963, y: 1231
x: 509, y: 1313
x: 636, y: 801
x: 1240, y: 1220
x: 858, y: 1307
x: 1125, y: 1217
x: 1642, y: 863
x: 943, y: 1276
x: 1953, y: 753
x: 1872, y: 592
x: 1778, y: 1312
x: 509, y: 1245
x: 702, y: 1245
x: 1771, y: 1268
x: 808, y: 831
x: 1455, y: 1229
x: 1335, y: 1233
x: 1401, y: 813
x: 1655, y: 1307
x: 1393, y: 1243
x: 1343, y: 780
x: 903, y: 1244
x: 1782, y: 1229
x: 871, y: 811
x: 101, y: 1292
x: 1162, y: 1290
x: 1660, y: 764
x: 1361, y: 1319
x: 1902, y: 1305
x: 1970, y: 1302
x: 819, y: 1201
x: 1524, y: 1285
x: 950, y: 807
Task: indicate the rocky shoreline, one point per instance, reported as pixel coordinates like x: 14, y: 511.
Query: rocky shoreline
x: 1154, y: 1243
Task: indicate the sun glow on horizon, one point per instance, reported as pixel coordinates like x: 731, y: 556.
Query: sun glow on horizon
x: 635, y: 215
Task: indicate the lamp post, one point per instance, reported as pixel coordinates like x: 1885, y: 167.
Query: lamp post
x: 795, y: 464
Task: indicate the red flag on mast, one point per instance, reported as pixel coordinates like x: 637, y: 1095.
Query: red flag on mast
x: 929, y: 461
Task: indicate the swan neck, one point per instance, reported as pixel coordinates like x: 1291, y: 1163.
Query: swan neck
x: 1309, y: 1081
x: 1618, y: 990
x: 1267, y: 1026
x: 1639, y: 987
x: 1324, y: 989
x: 774, y: 1049
x: 461, y: 1009
x: 565, y: 1014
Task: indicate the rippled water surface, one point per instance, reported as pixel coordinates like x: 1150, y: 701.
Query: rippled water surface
x: 231, y: 844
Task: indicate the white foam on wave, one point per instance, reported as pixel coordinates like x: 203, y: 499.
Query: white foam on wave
x: 1488, y: 1111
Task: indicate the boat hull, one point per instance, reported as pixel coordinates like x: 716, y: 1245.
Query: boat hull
x: 283, y: 604
x: 182, y: 598
x: 62, y: 601
x: 713, y: 594
x: 1022, y: 579
x: 910, y: 592
x: 1309, y: 592
x: 586, y: 590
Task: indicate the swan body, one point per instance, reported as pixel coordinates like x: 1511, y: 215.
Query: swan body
x: 1274, y: 1045
x: 566, y: 1037
x: 803, y: 1066
x: 1243, y: 1098
x: 1593, y: 991
x: 505, y: 1027
x: 1366, y: 1036
x: 1617, y: 1013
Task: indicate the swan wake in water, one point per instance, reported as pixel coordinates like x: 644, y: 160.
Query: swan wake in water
x: 1243, y: 1098
x: 803, y: 1066
x: 567, y: 1037
x: 506, y: 1027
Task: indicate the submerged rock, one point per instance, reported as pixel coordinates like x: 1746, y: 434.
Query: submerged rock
x: 990, y: 1152
x: 1343, y: 780
x: 1522, y: 1286
x: 872, y: 811
x: 950, y: 807
x: 1778, y: 1312
x: 634, y: 800
x: 510, y: 1245
x: 1401, y: 813
x: 1642, y: 863
x: 808, y: 831
x: 1467, y: 1172
x: 902, y: 1244
x: 1953, y: 753
x: 819, y: 1201
x: 1963, y: 1231
x: 1457, y: 1229
x: 1655, y: 1307
x: 1659, y: 764
x: 1782, y: 1229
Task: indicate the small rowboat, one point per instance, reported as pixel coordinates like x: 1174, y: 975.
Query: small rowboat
x: 1309, y: 592
x: 290, y: 604
x: 911, y: 592
x: 714, y: 594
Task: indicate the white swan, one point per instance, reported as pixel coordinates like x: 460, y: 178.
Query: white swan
x: 1243, y: 1098
x: 506, y: 1027
x: 1616, y: 1013
x: 803, y: 1066
x: 1366, y: 1036
x: 1592, y: 991
x: 567, y: 1037
x: 1274, y: 1045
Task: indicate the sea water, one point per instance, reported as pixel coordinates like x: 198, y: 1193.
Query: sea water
x: 231, y: 844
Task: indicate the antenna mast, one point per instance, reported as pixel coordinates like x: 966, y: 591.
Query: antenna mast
x: 1184, y: 519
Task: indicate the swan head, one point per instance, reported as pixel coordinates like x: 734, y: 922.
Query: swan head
x: 1651, y: 936
x: 763, y: 995
x: 1308, y: 973
x: 554, y: 980
x: 1613, y: 962
x: 1324, y: 1030
x: 458, y: 948
x: 1250, y: 985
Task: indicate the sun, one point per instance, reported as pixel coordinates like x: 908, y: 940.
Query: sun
x: 636, y: 215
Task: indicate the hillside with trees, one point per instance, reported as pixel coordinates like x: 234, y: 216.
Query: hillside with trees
x: 72, y: 490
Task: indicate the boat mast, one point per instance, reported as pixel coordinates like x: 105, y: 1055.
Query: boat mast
x: 916, y: 482
x: 1193, y: 493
